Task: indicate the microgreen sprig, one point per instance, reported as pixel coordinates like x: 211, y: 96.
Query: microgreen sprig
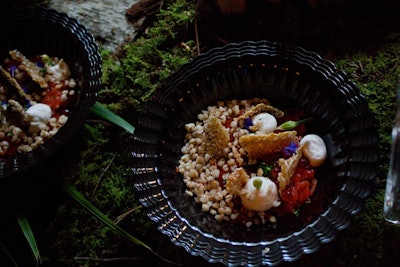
x: 266, y: 168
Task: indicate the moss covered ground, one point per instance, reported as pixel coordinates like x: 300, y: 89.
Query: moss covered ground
x: 362, y: 39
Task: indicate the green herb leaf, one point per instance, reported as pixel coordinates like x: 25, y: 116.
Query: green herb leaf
x: 26, y: 229
x: 296, y: 213
x: 103, y: 112
x: 4, y: 250
x: 266, y: 169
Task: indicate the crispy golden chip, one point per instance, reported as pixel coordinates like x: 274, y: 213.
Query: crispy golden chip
x: 258, y: 146
x: 259, y: 108
x: 29, y: 67
x: 11, y: 83
x: 237, y: 181
x: 216, y: 137
x: 288, y: 168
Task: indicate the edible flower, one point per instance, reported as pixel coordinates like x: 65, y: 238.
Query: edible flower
x: 13, y: 68
x: 290, y: 125
x: 248, y: 123
x: 289, y: 150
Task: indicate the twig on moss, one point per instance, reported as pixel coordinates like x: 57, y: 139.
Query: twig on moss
x: 196, y: 30
x: 101, y: 177
x: 106, y: 260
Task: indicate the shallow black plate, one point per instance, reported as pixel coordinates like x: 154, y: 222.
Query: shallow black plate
x: 35, y: 31
x: 289, y: 77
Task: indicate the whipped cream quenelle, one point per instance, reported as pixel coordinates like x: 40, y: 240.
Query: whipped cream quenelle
x: 314, y: 149
x: 260, y: 194
x: 265, y: 123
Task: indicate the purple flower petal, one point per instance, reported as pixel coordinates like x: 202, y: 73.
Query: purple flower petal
x: 290, y: 149
x: 40, y: 64
x: 13, y: 68
x: 248, y: 123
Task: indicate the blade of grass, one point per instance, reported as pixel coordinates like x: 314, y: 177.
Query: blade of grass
x: 107, y: 221
x: 5, y: 251
x: 103, y: 112
x: 26, y: 229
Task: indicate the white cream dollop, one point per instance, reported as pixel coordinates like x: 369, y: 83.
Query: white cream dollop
x: 260, y: 194
x: 38, y: 116
x: 314, y: 149
x: 264, y: 123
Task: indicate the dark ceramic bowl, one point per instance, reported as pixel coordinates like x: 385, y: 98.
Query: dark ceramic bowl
x: 35, y: 31
x: 288, y: 77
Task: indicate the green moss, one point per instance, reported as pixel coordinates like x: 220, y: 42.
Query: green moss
x: 151, y: 58
x: 377, y: 76
x: 366, y: 233
x: 103, y: 177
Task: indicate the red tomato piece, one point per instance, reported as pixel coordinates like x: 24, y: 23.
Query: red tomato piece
x: 53, y: 98
x: 303, y: 192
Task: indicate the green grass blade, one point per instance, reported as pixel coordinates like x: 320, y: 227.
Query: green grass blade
x: 107, y: 221
x: 5, y: 251
x: 26, y: 229
x: 103, y: 112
